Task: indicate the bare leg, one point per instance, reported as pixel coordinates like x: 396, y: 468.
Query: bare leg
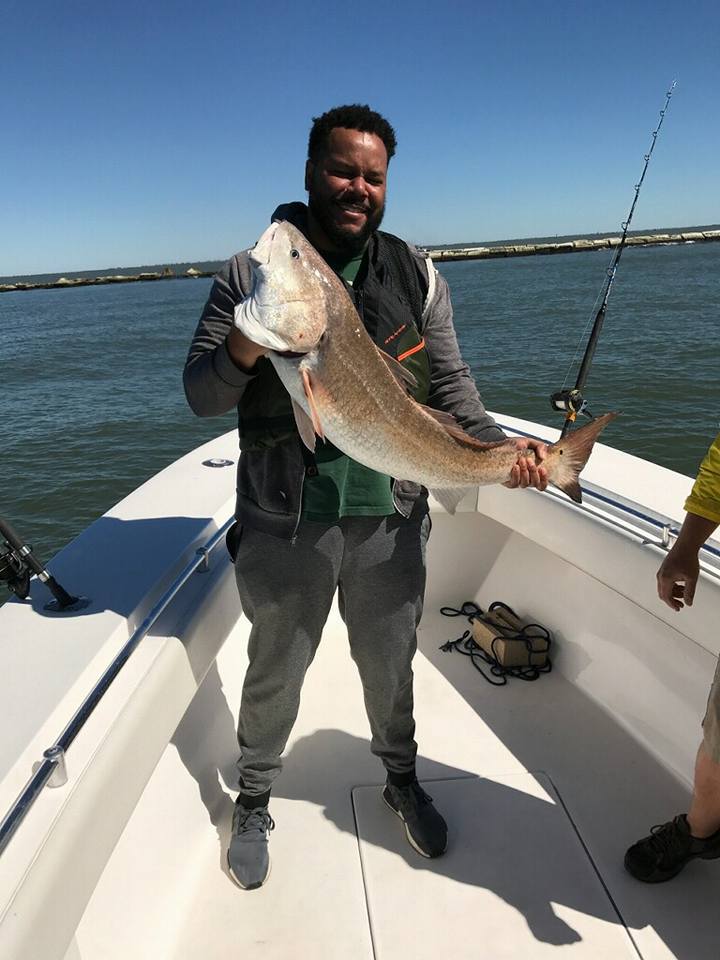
x: 704, y: 816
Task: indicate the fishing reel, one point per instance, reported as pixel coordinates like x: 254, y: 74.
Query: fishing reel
x: 14, y: 571
x: 18, y: 564
x: 570, y: 402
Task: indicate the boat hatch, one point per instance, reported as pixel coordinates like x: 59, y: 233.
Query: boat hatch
x: 518, y: 883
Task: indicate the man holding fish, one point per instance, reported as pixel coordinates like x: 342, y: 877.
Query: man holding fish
x: 335, y: 342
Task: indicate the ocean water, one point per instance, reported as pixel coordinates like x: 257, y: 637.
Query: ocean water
x: 92, y: 377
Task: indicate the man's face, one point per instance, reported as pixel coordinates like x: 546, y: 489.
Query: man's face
x: 346, y: 187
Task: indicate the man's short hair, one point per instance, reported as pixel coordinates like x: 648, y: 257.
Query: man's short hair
x: 354, y: 116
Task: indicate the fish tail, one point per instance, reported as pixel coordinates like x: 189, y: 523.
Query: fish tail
x: 568, y: 456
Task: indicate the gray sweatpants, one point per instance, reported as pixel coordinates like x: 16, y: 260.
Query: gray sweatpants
x: 286, y: 590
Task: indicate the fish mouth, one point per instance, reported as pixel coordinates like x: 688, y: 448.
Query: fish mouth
x: 260, y: 254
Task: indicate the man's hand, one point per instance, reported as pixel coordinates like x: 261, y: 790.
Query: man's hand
x: 679, y: 571
x: 529, y: 471
x: 244, y: 352
x: 678, y: 577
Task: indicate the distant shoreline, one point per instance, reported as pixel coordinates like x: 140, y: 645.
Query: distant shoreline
x: 440, y: 254
x: 64, y: 282
x: 572, y: 246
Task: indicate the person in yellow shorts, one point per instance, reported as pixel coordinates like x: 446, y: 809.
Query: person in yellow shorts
x: 670, y: 846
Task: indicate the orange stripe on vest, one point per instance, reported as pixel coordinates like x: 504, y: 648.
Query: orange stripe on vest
x: 411, y: 351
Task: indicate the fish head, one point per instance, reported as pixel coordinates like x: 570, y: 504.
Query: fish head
x: 292, y: 293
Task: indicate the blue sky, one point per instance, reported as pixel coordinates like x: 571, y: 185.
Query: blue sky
x: 159, y: 132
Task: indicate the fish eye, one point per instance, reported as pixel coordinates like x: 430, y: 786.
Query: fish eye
x: 295, y: 254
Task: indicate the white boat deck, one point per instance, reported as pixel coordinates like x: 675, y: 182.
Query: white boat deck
x: 524, y: 874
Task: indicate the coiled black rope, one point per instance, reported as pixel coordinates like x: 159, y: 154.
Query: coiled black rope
x: 530, y: 633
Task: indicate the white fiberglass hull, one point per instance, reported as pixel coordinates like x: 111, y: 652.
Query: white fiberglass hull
x: 544, y: 784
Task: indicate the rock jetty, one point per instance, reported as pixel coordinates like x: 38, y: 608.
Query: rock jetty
x: 569, y: 246
x: 64, y: 282
x: 439, y: 254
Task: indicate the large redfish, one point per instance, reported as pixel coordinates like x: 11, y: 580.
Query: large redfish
x: 345, y: 389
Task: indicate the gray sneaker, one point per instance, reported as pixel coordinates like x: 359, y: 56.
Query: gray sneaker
x: 247, y: 856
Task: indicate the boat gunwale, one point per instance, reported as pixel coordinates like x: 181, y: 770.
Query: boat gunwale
x: 668, y: 527
x: 53, y: 757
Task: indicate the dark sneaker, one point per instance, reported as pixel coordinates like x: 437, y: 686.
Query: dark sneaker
x: 425, y: 828
x: 247, y: 856
x: 663, y: 854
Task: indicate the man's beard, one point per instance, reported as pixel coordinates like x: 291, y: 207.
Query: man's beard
x: 345, y: 242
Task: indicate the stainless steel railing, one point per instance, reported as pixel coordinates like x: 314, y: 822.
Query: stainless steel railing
x: 652, y: 528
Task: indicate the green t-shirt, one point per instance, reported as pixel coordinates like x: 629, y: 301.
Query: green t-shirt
x: 343, y: 487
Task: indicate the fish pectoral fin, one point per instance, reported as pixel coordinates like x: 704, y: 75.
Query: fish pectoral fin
x: 314, y: 416
x: 404, y: 377
x: 450, y: 497
x: 305, y: 426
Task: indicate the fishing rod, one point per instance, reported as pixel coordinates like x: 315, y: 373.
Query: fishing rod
x: 572, y: 402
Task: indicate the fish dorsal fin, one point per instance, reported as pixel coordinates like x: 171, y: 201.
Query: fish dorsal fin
x: 403, y: 376
x: 449, y: 498
x: 305, y: 426
x: 448, y: 422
